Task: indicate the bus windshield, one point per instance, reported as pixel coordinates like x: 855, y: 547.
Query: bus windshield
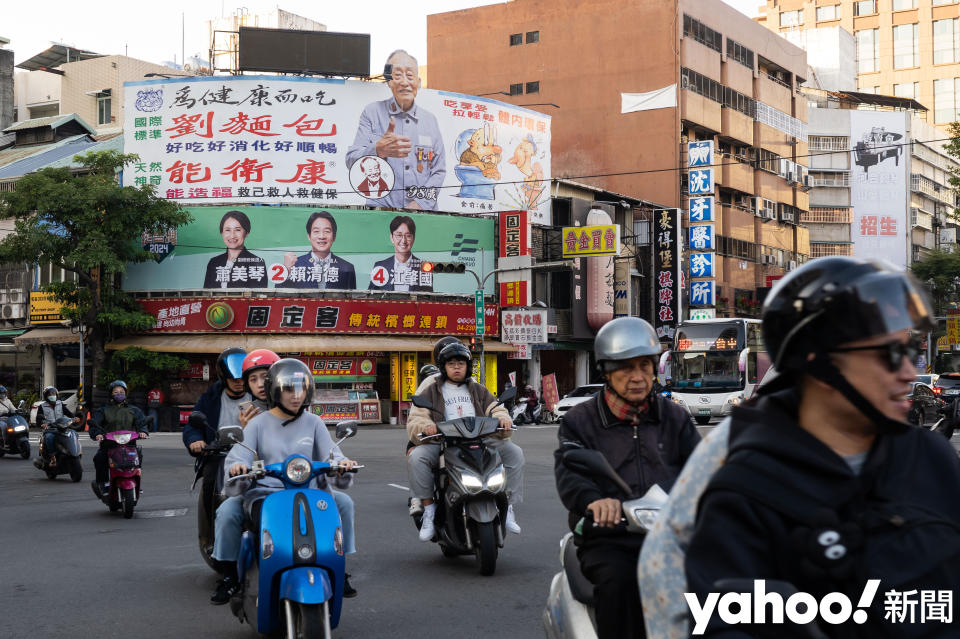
x: 704, y: 371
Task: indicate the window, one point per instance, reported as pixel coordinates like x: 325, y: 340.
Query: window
x: 103, y: 108
x: 533, y: 87
x: 939, y: 2
x: 739, y: 102
x: 907, y: 90
x: 945, y: 94
x: 868, y: 50
x: 830, y: 12
x: 516, y: 89
x: 766, y: 160
x: 791, y: 18
x: 701, y: 33
x: 533, y: 37
x: 701, y: 84
x: 829, y: 143
x: 515, y: 39
x: 739, y: 53
x: 906, y: 46
x: 900, y: 5
x: 864, y: 7
x: 945, y: 40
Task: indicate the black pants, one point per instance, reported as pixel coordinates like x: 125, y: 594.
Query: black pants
x: 612, y: 568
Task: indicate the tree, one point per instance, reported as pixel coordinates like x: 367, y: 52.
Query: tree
x: 141, y: 368
x: 87, y: 223
x: 940, y: 271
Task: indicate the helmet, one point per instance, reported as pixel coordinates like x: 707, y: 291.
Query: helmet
x: 624, y: 338
x: 230, y: 364
x: 255, y: 360
x: 288, y: 374
x: 50, y: 389
x: 443, y: 341
x: 427, y: 370
x: 833, y: 300
x: 454, y: 351
x: 3, y: 390
x: 117, y: 382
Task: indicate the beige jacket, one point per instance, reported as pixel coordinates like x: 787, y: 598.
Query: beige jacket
x: 422, y: 418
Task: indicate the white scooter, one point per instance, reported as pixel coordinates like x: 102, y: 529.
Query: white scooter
x: 519, y: 413
x: 569, y: 611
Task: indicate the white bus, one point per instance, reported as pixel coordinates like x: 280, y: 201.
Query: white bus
x: 715, y: 364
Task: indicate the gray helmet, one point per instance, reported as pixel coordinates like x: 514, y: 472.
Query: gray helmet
x: 625, y: 338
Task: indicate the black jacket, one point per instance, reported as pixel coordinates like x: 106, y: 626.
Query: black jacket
x: 111, y: 417
x: 209, y: 405
x: 653, y: 453
x: 744, y: 534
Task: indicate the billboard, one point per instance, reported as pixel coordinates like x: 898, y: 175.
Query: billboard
x: 321, y: 141
x: 293, y: 50
x: 878, y: 190
x: 269, y: 247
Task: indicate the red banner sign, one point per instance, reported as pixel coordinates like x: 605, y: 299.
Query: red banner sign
x: 513, y: 294
x: 300, y: 315
x: 551, y: 396
x: 514, y: 234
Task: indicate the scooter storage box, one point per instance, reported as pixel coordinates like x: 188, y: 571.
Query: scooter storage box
x: 123, y: 457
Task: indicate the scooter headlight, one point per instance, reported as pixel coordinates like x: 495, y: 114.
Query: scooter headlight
x: 298, y: 470
x: 267, y: 544
x: 471, y: 482
x: 19, y: 428
x: 646, y: 517
x: 122, y: 439
x: 305, y: 552
x: 496, y: 481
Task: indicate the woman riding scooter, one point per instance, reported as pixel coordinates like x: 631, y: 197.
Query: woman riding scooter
x: 116, y: 415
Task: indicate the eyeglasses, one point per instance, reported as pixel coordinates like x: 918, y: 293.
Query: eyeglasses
x: 893, y: 352
x: 403, y: 236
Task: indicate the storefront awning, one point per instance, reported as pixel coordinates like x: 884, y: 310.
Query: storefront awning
x: 36, y: 336
x: 215, y: 343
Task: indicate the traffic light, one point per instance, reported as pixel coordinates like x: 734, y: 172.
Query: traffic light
x: 443, y: 267
x: 474, y: 346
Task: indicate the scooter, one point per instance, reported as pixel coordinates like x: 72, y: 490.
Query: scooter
x: 569, y: 610
x: 291, y: 564
x: 15, y: 433
x: 67, y: 451
x: 519, y: 414
x: 471, y: 493
x: 210, y: 460
x: 123, y: 456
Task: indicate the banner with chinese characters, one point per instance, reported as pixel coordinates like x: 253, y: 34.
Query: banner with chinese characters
x: 524, y: 327
x: 703, y: 293
x: 551, y: 395
x: 701, y: 237
x: 514, y: 294
x: 261, y: 247
x: 319, y: 141
x: 702, y: 264
x: 345, y: 369
x: 667, y: 269
x: 514, y: 234
x: 408, y: 376
x: 591, y: 241
x: 878, y: 192
x: 700, y: 209
x: 311, y: 315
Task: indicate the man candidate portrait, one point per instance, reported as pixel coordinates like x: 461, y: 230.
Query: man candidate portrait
x: 319, y: 268
x: 406, y: 136
x: 403, y: 271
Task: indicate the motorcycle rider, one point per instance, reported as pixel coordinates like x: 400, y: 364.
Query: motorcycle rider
x: 47, y: 414
x: 287, y: 428
x: 220, y: 404
x: 255, y: 366
x: 647, y: 439
x: 530, y: 395
x: 116, y: 415
x: 831, y: 430
x: 6, y: 406
x: 461, y: 396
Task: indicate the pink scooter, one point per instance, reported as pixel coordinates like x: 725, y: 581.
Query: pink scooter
x: 124, y: 461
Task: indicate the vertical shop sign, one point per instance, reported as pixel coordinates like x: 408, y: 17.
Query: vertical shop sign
x: 408, y: 375
x: 667, y: 270
x: 394, y: 377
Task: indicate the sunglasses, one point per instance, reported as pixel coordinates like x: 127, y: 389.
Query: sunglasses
x: 892, y: 352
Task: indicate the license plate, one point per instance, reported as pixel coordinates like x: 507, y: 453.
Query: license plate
x: 703, y: 411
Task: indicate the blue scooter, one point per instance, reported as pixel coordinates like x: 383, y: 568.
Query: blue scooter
x: 292, y: 565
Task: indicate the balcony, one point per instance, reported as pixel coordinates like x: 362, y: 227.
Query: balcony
x: 774, y: 93
x: 924, y: 185
x: 835, y: 179
x: 921, y: 219
x: 700, y: 110
x: 736, y: 125
x: 827, y: 216
x: 736, y: 175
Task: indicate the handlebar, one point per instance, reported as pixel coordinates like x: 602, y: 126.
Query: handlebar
x: 439, y: 434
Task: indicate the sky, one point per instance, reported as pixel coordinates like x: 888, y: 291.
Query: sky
x: 145, y: 31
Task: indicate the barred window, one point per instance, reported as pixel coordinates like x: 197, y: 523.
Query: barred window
x: 701, y: 85
x: 827, y: 216
x: 703, y: 34
x: 739, y: 53
x: 766, y: 160
x: 829, y: 143
x: 824, y: 249
x: 739, y: 102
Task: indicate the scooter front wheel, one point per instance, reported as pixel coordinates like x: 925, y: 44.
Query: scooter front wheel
x: 310, y: 621
x: 76, y: 470
x: 25, y: 449
x: 486, y: 548
x: 128, y: 500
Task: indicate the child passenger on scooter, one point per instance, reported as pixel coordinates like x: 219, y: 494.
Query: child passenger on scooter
x: 286, y: 429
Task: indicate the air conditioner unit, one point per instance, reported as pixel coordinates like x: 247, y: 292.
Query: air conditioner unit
x: 15, y: 296
x: 789, y: 176
x: 684, y: 82
x: 792, y: 264
x: 806, y: 180
x: 12, y: 311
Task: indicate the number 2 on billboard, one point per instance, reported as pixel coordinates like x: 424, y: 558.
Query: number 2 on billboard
x: 278, y: 273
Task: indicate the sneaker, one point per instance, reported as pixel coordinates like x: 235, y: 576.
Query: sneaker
x: 416, y: 507
x: 226, y: 588
x: 426, y: 525
x: 511, y: 522
x: 348, y: 590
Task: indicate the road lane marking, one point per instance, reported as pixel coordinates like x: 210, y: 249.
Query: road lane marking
x: 172, y: 512
x: 398, y: 486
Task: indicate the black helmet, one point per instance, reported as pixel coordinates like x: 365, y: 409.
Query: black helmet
x: 288, y: 374
x: 454, y: 350
x: 428, y: 370
x: 230, y: 364
x: 833, y: 300
x: 622, y: 339
x: 50, y: 389
x: 443, y: 341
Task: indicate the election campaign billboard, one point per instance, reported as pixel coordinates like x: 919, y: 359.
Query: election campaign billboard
x: 321, y: 141
x: 288, y: 247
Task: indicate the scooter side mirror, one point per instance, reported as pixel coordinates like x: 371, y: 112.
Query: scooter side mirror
x: 593, y: 463
x: 230, y: 434
x: 421, y: 401
x: 346, y: 429
x: 507, y: 395
x: 20, y: 405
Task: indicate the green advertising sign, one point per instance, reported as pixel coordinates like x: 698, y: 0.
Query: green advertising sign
x: 289, y: 248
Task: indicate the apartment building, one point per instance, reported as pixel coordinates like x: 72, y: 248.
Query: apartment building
x: 904, y: 48
x: 723, y: 78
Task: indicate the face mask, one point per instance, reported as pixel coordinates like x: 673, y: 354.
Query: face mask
x: 119, y: 398
x: 51, y: 398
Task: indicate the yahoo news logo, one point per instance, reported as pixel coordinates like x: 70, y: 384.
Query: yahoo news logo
x: 800, y: 608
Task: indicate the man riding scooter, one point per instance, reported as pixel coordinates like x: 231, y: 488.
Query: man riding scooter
x: 116, y: 415
x: 47, y: 414
x: 221, y: 405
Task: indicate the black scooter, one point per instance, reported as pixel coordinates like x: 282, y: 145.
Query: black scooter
x: 15, y: 433
x: 210, y: 462
x: 67, y: 451
x: 471, y: 488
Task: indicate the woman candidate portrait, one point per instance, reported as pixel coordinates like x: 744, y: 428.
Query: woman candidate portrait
x: 236, y: 267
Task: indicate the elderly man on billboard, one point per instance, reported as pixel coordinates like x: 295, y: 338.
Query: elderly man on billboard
x: 407, y: 136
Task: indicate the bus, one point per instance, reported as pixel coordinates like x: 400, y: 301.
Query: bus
x: 714, y: 365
